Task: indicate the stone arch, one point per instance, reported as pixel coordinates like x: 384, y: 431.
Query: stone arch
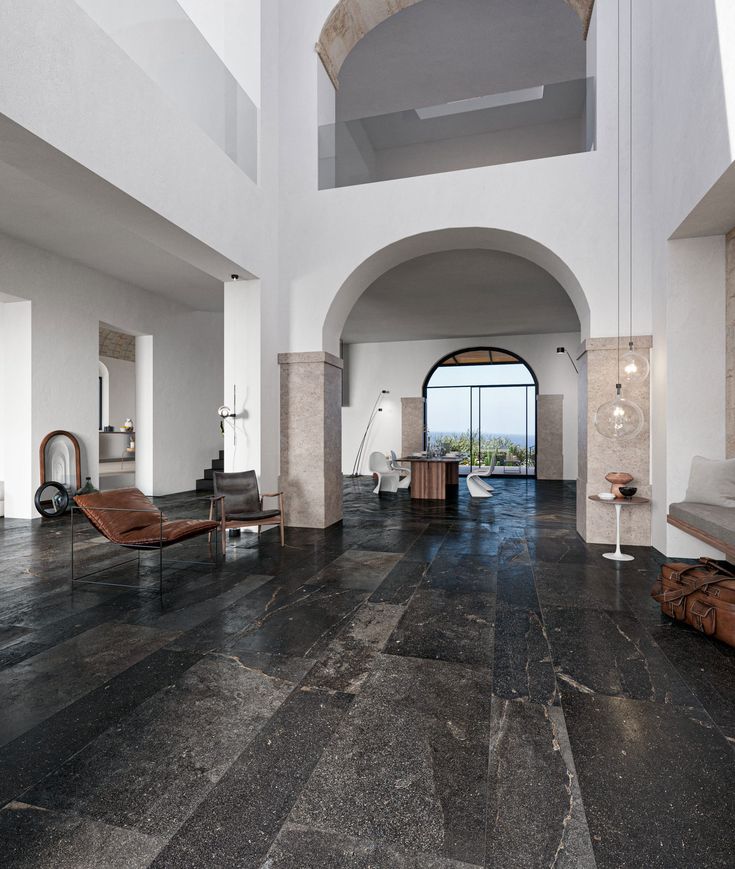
x: 462, y: 238
x: 351, y: 20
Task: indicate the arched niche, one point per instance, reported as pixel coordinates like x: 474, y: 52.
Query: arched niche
x: 350, y: 20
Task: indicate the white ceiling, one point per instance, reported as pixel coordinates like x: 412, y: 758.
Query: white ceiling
x: 438, y: 51
x: 458, y: 294
x: 49, y: 200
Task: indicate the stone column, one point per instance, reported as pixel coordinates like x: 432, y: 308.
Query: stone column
x: 599, y: 455
x: 311, y: 438
x: 550, y: 437
x: 412, y: 425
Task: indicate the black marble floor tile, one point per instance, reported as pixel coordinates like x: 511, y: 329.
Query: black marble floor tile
x: 278, y: 666
x: 516, y: 586
x: 298, y: 847
x: 348, y: 660
x: 10, y: 633
x: 305, y: 622
x: 43, y: 748
x: 39, y: 686
x: 656, y: 782
x: 454, y: 572
x: 153, y: 768
x: 522, y: 666
x: 239, y: 819
x: 583, y: 586
x: 359, y: 569
x: 608, y: 652
x: 535, y: 811
x: 34, y: 837
x: 707, y: 667
x: 408, y: 765
x: 401, y: 582
x: 446, y: 626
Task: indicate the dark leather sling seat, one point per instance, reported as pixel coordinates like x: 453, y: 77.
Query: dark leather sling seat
x: 128, y: 518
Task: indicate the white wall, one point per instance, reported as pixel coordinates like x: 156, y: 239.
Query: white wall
x: 401, y: 366
x: 67, y: 302
x: 688, y: 52
x: 121, y: 386
x: 16, y: 441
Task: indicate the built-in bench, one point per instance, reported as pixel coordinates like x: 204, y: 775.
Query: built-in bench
x: 710, y: 524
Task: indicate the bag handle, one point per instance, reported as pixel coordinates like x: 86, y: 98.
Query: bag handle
x: 716, y: 566
x: 678, y: 593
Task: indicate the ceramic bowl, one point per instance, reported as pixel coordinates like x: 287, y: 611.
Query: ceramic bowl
x: 628, y: 491
x: 606, y: 496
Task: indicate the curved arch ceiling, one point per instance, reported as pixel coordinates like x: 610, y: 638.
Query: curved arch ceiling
x: 350, y: 20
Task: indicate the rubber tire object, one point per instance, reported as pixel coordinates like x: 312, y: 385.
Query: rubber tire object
x: 60, y: 501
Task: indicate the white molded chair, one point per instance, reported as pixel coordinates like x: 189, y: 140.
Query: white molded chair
x: 406, y: 481
x: 387, y: 477
x: 476, y: 485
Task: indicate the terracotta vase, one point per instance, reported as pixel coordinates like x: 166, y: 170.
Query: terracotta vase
x: 616, y: 480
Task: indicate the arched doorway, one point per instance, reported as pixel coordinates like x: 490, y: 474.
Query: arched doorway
x: 481, y: 402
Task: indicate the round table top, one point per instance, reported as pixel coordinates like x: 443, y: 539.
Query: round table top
x: 636, y: 499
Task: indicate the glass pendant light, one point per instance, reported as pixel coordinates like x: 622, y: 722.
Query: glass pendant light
x: 635, y: 366
x: 619, y: 419
x: 622, y: 419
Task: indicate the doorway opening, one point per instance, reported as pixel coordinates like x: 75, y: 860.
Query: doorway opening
x: 480, y: 403
x: 116, y: 393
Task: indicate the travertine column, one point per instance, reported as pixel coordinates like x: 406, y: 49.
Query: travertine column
x: 550, y: 437
x: 599, y: 455
x: 311, y: 438
x: 730, y: 345
x: 412, y: 425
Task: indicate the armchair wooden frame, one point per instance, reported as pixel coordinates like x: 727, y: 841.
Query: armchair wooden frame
x: 226, y: 524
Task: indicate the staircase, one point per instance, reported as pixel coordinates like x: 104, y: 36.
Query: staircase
x: 206, y: 484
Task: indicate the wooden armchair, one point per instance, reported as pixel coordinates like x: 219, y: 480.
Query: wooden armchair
x: 241, y: 505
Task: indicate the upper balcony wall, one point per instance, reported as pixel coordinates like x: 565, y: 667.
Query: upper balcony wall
x: 165, y: 43
x: 67, y: 82
x: 443, y: 86
x: 567, y: 204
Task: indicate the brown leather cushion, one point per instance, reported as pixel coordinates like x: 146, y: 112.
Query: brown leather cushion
x: 127, y: 517
x: 172, y: 531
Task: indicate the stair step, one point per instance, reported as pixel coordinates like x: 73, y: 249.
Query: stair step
x: 204, y: 485
x: 208, y: 472
x: 222, y: 455
x: 218, y: 464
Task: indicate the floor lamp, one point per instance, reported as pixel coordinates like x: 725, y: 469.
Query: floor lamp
x: 360, y: 450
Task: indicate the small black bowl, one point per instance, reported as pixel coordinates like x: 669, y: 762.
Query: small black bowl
x: 628, y: 491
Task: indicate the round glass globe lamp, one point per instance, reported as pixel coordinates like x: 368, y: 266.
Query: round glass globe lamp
x: 619, y: 419
x: 634, y: 366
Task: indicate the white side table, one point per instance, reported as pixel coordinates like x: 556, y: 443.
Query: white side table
x: 618, y: 503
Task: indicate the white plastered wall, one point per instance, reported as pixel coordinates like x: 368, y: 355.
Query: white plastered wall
x: 689, y: 54
x: 67, y: 302
x: 401, y: 366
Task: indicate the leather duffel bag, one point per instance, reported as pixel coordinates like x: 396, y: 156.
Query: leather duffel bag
x: 702, y: 595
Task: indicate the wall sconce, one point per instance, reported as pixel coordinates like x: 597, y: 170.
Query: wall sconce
x: 561, y: 351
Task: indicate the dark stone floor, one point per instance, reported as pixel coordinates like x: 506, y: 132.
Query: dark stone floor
x: 428, y: 685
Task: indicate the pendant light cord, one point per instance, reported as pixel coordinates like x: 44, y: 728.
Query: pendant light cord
x: 630, y: 169
x: 617, y: 387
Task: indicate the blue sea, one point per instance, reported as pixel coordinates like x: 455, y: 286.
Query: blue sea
x: 519, y: 439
